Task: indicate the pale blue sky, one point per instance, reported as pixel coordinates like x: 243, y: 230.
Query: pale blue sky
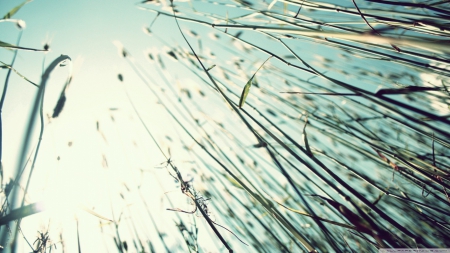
x: 83, y: 30
x: 95, y: 165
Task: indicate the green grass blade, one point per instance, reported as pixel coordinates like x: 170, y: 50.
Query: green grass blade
x: 15, y: 9
x: 247, y: 86
x: 245, y: 92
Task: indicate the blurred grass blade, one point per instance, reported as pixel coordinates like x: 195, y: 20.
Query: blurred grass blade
x: 440, y: 46
x: 321, y: 93
x: 62, y: 99
x: 78, y: 237
x: 6, y: 66
x: 371, y: 27
x: 272, y: 4
x: 15, y: 9
x: 22, y: 212
x: 316, y: 217
x: 299, y: 9
x: 406, y: 90
x: 7, y: 45
x: 305, y: 138
x: 233, y: 181
x: 88, y: 210
x: 30, y: 125
x: 361, y: 224
x: 59, y: 105
x: 226, y: 30
x: 211, y: 67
